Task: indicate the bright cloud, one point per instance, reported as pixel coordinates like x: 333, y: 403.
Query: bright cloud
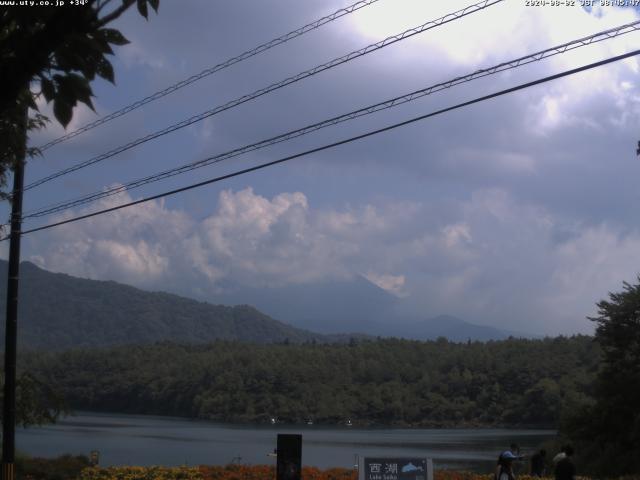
x: 500, y: 260
x: 516, y: 212
x: 391, y: 283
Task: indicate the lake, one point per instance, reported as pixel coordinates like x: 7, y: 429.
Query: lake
x: 149, y: 440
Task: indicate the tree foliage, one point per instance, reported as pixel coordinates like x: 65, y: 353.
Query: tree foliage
x: 607, y: 433
x: 55, y: 53
x: 65, y: 467
x: 36, y: 402
x: 384, y: 382
x: 59, y: 311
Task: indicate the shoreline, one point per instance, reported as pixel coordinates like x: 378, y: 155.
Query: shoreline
x: 546, y: 429
x: 152, y: 440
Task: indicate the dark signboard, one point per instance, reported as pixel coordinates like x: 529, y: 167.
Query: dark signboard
x: 289, y: 464
x: 406, y: 468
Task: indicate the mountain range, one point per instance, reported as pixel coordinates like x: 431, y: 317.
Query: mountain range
x: 356, y: 305
x: 59, y: 311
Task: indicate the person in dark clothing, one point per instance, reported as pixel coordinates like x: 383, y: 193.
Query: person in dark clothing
x: 515, y: 450
x: 504, y: 469
x: 559, y: 456
x: 565, y: 469
x: 537, y: 463
x: 512, y: 454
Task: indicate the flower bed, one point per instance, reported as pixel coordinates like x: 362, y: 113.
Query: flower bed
x: 254, y: 472
x: 141, y: 473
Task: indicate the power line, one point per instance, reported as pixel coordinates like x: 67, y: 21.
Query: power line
x: 340, y: 142
x: 597, y: 37
x: 211, y: 70
x: 275, y: 86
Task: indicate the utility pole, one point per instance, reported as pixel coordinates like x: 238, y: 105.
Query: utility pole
x: 11, y: 328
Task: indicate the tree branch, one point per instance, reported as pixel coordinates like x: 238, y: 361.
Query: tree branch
x: 116, y: 13
x: 102, y: 4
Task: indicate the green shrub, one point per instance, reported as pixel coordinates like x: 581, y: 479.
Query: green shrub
x: 66, y: 467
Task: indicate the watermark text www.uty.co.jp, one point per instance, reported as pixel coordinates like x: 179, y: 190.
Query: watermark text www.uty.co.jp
x: 42, y: 3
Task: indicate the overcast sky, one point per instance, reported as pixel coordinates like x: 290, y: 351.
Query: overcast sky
x: 520, y: 212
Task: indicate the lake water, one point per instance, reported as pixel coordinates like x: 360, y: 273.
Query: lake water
x: 148, y: 440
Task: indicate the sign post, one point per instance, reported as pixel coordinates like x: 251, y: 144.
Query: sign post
x: 396, y: 468
x: 289, y: 463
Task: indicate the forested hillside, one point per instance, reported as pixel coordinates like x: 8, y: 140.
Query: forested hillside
x: 384, y: 382
x: 58, y: 311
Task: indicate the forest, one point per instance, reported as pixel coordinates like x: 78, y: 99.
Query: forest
x: 515, y: 382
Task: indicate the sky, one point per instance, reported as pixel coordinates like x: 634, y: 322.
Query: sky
x: 519, y: 212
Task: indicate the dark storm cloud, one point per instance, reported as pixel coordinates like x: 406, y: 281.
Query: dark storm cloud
x: 516, y: 212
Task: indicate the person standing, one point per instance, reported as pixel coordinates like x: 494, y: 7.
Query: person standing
x: 560, y: 455
x: 537, y: 464
x: 514, y: 449
x: 565, y: 469
x: 504, y: 469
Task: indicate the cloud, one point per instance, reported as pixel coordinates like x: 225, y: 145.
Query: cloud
x: 136, y: 55
x: 520, y: 267
x: 259, y: 241
x: 456, y: 234
x: 590, y: 266
x: 248, y: 240
x: 516, y: 212
x: 390, y: 283
x: 134, y: 245
x: 490, y: 258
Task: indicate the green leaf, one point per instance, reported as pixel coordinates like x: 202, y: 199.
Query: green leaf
x: 63, y: 111
x: 37, y: 122
x: 48, y: 89
x: 100, y: 44
x: 90, y: 63
x: 142, y: 8
x: 76, y: 84
x: 87, y: 101
x: 64, y: 59
x: 113, y: 36
x: 155, y: 4
x: 105, y: 70
x: 74, y: 87
x: 31, y: 103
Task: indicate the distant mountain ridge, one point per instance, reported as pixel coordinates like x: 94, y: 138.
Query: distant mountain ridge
x: 357, y: 305
x: 59, y: 311
x: 347, y: 305
x: 457, y: 330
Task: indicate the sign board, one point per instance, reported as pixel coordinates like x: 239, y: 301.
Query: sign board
x: 289, y: 462
x: 395, y: 468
